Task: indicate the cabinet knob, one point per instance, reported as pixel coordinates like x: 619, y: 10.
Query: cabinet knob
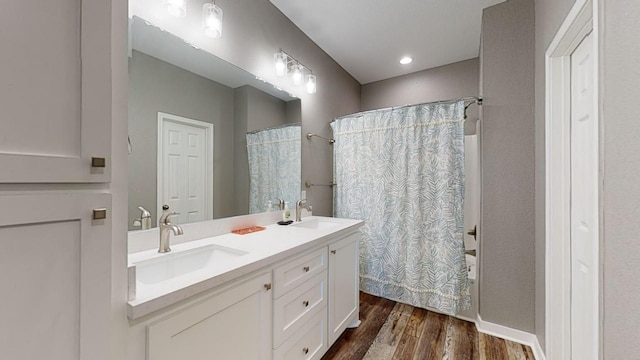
x: 267, y: 286
x: 305, y: 350
x: 305, y: 303
x: 306, y: 269
x: 333, y: 252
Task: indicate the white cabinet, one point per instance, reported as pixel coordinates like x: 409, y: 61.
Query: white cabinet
x: 343, y: 285
x: 55, y: 91
x: 232, y: 324
x: 54, y: 271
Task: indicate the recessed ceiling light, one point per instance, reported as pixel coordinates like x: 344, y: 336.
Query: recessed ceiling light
x: 406, y: 60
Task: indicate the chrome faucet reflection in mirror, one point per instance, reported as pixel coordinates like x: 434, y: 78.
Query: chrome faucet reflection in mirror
x: 166, y: 227
x: 144, y: 221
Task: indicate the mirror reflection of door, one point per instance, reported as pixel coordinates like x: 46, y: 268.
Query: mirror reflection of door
x: 185, y: 153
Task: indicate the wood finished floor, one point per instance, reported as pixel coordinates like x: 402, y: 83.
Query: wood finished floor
x: 395, y: 331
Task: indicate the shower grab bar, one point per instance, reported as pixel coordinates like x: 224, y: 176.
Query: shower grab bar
x: 308, y: 184
x: 310, y: 135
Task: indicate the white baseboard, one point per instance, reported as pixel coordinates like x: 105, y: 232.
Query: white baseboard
x: 510, y: 334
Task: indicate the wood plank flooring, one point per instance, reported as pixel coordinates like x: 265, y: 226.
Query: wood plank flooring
x: 395, y: 331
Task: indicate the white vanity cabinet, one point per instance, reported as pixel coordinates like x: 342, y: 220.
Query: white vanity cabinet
x: 344, y: 283
x: 300, y: 307
x: 234, y: 323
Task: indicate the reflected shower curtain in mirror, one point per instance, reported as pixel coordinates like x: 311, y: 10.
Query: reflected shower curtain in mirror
x: 274, y: 166
x: 402, y: 171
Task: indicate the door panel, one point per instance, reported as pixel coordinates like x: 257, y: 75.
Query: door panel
x: 185, y: 181
x: 584, y: 205
x: 55, y: 272
x: 55, y: 94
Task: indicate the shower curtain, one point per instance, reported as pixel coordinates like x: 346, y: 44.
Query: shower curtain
x: 402, y: 171
x: 274, y: 166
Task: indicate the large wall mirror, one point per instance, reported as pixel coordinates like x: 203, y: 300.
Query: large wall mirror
x: 206, y: 138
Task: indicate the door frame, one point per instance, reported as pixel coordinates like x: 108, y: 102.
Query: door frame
x: 582, y: 19
x: 208, y: 128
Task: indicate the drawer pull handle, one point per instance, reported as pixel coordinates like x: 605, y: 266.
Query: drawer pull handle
x: 333, y: 252
x: 306, y: 269
x: 305, y: 303
x: 305, y: 350
x: 267, y: 286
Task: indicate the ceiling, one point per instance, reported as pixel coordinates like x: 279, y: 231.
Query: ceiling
x: 368, y: 37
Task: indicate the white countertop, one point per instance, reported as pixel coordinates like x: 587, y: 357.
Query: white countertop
x: 264, y: 248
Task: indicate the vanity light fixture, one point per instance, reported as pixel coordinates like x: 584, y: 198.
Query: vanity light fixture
x: 297, y: 74
x: 177, y: 8
x: 311, y: 84
x: 285, y: 63
x: 406, y: 60
x: 212, y: 20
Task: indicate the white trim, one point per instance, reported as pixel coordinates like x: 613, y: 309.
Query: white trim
x: 208, y: 127
x: 519, y: 336
x: 581, y: 20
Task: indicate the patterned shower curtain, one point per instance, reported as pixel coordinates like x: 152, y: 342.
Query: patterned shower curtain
x: 274, y: 166
x: 402, y: 171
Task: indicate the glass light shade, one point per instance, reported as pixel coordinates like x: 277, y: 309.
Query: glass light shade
x: 297, y: 74
x: 212, y: 20
x: 280, y: 60
x: 311, y: 84
x: 177, y: 8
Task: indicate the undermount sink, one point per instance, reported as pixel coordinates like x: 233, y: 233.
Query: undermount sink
x: 173, y: 265
x: 316, y: 224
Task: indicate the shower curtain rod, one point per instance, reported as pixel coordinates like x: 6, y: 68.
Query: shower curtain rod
x: 275, y: 127
x: 470, y: 99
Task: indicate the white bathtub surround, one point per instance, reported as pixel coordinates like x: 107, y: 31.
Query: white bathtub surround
x: 254, y: 251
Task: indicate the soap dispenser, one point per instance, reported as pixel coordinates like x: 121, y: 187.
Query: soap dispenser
x: 286, y: 213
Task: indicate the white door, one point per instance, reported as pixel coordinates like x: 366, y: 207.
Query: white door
x: 186, y: 183
x: 55, y: 91
x: 584, y: 205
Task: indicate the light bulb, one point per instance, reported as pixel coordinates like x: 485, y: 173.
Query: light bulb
x: 406, y: 60
x: 212, y: 20
x: 177, y: 8
x: 280, y: 60
x: 311, y: 84
x: 297, y: 74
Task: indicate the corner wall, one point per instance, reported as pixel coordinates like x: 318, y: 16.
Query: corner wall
x: 507, y: 242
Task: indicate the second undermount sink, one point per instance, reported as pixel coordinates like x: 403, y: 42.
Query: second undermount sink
x: 174, y: 265
x: 315, y: 224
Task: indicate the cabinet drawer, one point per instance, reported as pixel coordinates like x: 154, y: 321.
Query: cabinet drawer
x: 295, y: 308
x: 310, y: 343
x: 295, y: 272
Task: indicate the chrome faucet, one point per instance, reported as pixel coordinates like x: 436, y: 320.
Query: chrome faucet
x: 144, y: 222
x: 166, y: 226
x: 299, y: 208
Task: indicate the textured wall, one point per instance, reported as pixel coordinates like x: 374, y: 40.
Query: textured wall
x: 507, y: 283
x: 452, y: 81
x: 549, y: 16
x: 621, y: 248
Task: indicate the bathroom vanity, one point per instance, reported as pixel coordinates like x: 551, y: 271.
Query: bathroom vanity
x: 286, y: 292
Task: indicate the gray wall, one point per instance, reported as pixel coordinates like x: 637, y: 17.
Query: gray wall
x: 158, y: 86
x: 621, y: 146
x: 451, y: 81
x: 549, y: 17
x: 507, y: 243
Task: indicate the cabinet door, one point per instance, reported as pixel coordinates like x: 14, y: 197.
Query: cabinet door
x: 55, y: 276
x: 55, y: 91
x: 343, y: 285
x: 232, y: 324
